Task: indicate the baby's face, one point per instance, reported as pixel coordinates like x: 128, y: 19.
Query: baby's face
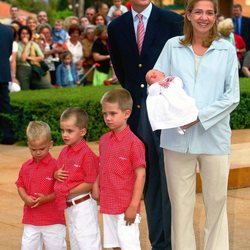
x: 117, y: 3
x: 58, y: 25
x: 154, y: 76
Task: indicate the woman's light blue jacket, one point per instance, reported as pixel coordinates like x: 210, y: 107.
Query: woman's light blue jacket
x: 215, y: 88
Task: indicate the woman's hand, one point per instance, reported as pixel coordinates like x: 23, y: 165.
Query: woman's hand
x: 190, y: 124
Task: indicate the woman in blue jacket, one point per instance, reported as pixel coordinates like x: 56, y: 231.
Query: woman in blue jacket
x: 208, y: 67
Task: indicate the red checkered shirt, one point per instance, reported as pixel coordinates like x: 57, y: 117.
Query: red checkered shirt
x: 38, y: 177
x: 120, y: 154
x: 82, y: 165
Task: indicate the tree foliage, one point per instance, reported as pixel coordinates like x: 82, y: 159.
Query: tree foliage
x: 179, y: 2
x: 30, y: 5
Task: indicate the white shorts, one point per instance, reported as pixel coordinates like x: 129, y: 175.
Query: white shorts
x: 117, y: 234
x: 84, y: 232
x: 52, y: 237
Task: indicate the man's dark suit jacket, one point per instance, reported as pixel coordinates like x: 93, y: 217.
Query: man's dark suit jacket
x: 129, y: 66
x: 6, y: 41
x: 245, y: 30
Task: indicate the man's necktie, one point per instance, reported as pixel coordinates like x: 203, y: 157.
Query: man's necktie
x: 140, y: 32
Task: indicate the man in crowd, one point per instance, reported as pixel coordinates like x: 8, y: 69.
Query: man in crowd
x: 241, y: 24
x: 42, y: 17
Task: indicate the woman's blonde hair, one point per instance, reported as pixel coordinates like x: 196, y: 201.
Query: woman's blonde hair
x: 225, y: 27
x: 188, y: 28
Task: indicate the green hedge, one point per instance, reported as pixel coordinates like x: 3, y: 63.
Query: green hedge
x: 47, y: 105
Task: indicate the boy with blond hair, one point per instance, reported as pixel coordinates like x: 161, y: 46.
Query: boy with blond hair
x: 122, y: 174
x: 77, y: 171
x: 43, y: 222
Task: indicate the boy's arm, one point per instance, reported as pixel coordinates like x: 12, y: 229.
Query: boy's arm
x: 82, y: 188
x: 95, y: 189
x: 28, y: 199
x: 130, y: 213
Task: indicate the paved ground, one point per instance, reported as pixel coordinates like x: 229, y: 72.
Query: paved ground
x: 238, y: 200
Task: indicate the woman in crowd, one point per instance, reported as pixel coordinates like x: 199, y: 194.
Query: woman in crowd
x: 99, y: 19
x: 32, y: 23
x: 208, y: 66
x: 50, y: 50
x: 29, y: 53
x: 226, y: 28
x: 87, y: 43
x: 101, y: 56
x: 75, y: 47
x: 84, y: 22
x: 70, y: 20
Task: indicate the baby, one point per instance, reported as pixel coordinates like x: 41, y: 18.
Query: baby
x: 168, y: 105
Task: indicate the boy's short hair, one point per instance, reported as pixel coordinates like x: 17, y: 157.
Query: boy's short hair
x: 38, y: 130
x: 79, y: 114
x: 120, y: 96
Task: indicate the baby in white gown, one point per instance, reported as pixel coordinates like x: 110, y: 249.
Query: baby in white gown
x: 168, y: 105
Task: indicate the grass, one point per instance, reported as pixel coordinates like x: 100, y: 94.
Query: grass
x: 245, y: 84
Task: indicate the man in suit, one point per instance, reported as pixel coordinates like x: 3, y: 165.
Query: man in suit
x: 6, y: 42
x: 130, y: 67
x: 241, y: 24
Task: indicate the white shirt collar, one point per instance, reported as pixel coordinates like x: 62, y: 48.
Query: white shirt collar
x: 146, y: 13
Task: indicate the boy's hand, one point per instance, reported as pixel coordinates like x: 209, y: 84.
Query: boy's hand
x: 61, y: 174
x: 41, y: 199
x: 130, y: 215
x: 95, y: 192
x: 30, y: 200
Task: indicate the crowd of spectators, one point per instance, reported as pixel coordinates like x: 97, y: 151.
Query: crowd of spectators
x: 64, y: 46
x: 36, y: 40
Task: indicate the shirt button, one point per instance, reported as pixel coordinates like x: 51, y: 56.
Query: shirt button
x: 138, y: 106
x: 142, y: 85
x: 139, y: 65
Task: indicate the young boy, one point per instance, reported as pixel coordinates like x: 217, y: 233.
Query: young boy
x: 122, y: 174
x: 77, y: 172
x: 43, y: 222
